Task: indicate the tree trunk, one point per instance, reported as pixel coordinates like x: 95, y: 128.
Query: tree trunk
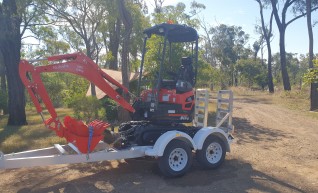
x: 310, y: 34
x: 114, y: 44
x: 2, y: 74
x: 282, y: 49
x: 314, y: 96
x: 89, y: 54
x: 267, y: 35
x: 10, y: 45
x: 3, y: 83
x: 269, y: 68
x: 128, y: 23
x: 313, y: 86
x: 281, y: 25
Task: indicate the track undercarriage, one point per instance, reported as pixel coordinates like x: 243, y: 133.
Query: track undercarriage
x: 144, y: 133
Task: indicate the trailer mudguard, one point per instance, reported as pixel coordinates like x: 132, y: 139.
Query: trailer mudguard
x: 203, y: 133
x: 164, y: 139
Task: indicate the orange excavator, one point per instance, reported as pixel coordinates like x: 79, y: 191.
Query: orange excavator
x: 158, y: 114
x: 164, y: 107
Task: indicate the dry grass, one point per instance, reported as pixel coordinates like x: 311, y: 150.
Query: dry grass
x: 297, y: 100
x: 31, y: 136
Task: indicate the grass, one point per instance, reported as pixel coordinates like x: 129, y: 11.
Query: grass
x: 297, y: 100
x: 32, y: 136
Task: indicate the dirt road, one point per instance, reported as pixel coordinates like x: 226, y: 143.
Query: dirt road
x: 275, y: 151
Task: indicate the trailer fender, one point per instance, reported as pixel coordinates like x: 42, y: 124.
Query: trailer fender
x: 203, y: 133
x: 164, y: 139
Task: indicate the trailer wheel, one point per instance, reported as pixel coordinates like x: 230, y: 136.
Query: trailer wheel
x: 176, y: 159
x: 212, y: 153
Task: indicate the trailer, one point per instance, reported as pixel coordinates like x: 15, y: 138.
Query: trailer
x: 173, y: 148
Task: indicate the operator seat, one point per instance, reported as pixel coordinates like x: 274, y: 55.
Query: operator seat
x: 186, y: 76
x: 183, y: 81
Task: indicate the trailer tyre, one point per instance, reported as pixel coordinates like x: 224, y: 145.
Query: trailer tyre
x: 212, y: 153
x: 176, y: 159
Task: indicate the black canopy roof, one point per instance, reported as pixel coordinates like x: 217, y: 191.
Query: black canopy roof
x: 175, y: 32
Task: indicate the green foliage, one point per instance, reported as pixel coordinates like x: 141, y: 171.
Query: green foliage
x: 140, y: 22
x: 223, y: 46
x: 63, y: 88
x: 88, y: 108
x: 54, y: 88
x: 76, y: 87
x: 251, y: 71
x: 228, y: 43
x: 111, y: 109
x: 311, y: 76
x: 207, y: 74
x: 296, y: 67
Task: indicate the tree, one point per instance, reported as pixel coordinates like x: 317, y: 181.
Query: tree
x: 10, y: 45
x: 111, y: 31
x: 251, y: 71
x: 228, y: 46
x: 84, y: 17
x: 267, y: 34
x: 256, y: 48
x: 313, y: 86
x: 282, y: 25
x: 125, y: 16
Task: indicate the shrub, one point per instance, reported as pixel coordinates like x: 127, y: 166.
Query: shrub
x: 111, y: 109
x: 311, y: 76
x: 88, y: 108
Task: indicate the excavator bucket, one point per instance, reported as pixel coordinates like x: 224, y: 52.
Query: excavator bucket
x: 84, y: 137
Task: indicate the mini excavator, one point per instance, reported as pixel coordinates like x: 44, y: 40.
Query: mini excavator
x: 166, y: 106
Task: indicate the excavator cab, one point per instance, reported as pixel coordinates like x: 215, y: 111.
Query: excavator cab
x: 171, y: 98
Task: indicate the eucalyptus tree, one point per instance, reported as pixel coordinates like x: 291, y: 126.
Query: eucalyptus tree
x: 10, y: 44
x: 83, y: 17
x: 229, y: 42
x: 16, y: 17
x: 267, y: 34
x: 111, y: 33
x: 281, y: 20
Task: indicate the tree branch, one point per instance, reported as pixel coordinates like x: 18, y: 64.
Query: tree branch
x: 30, y: 36
x: 299, y: 16
x: 67, y: 17
x: 27, y: 21
x: 278, y: 21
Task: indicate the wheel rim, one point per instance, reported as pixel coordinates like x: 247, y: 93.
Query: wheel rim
x: 178, y: 159
x: 214, y: 153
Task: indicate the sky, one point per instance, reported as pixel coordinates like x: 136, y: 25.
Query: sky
x: 245, y: 13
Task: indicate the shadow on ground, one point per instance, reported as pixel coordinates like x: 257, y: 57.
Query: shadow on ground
x: 245, y: 132
x: 144, y: 176
x: 253, y: 101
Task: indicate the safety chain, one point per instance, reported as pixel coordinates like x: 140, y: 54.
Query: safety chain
x: 91, y: 132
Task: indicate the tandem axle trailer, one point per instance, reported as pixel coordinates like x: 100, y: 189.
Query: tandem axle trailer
x: 173, y: 148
